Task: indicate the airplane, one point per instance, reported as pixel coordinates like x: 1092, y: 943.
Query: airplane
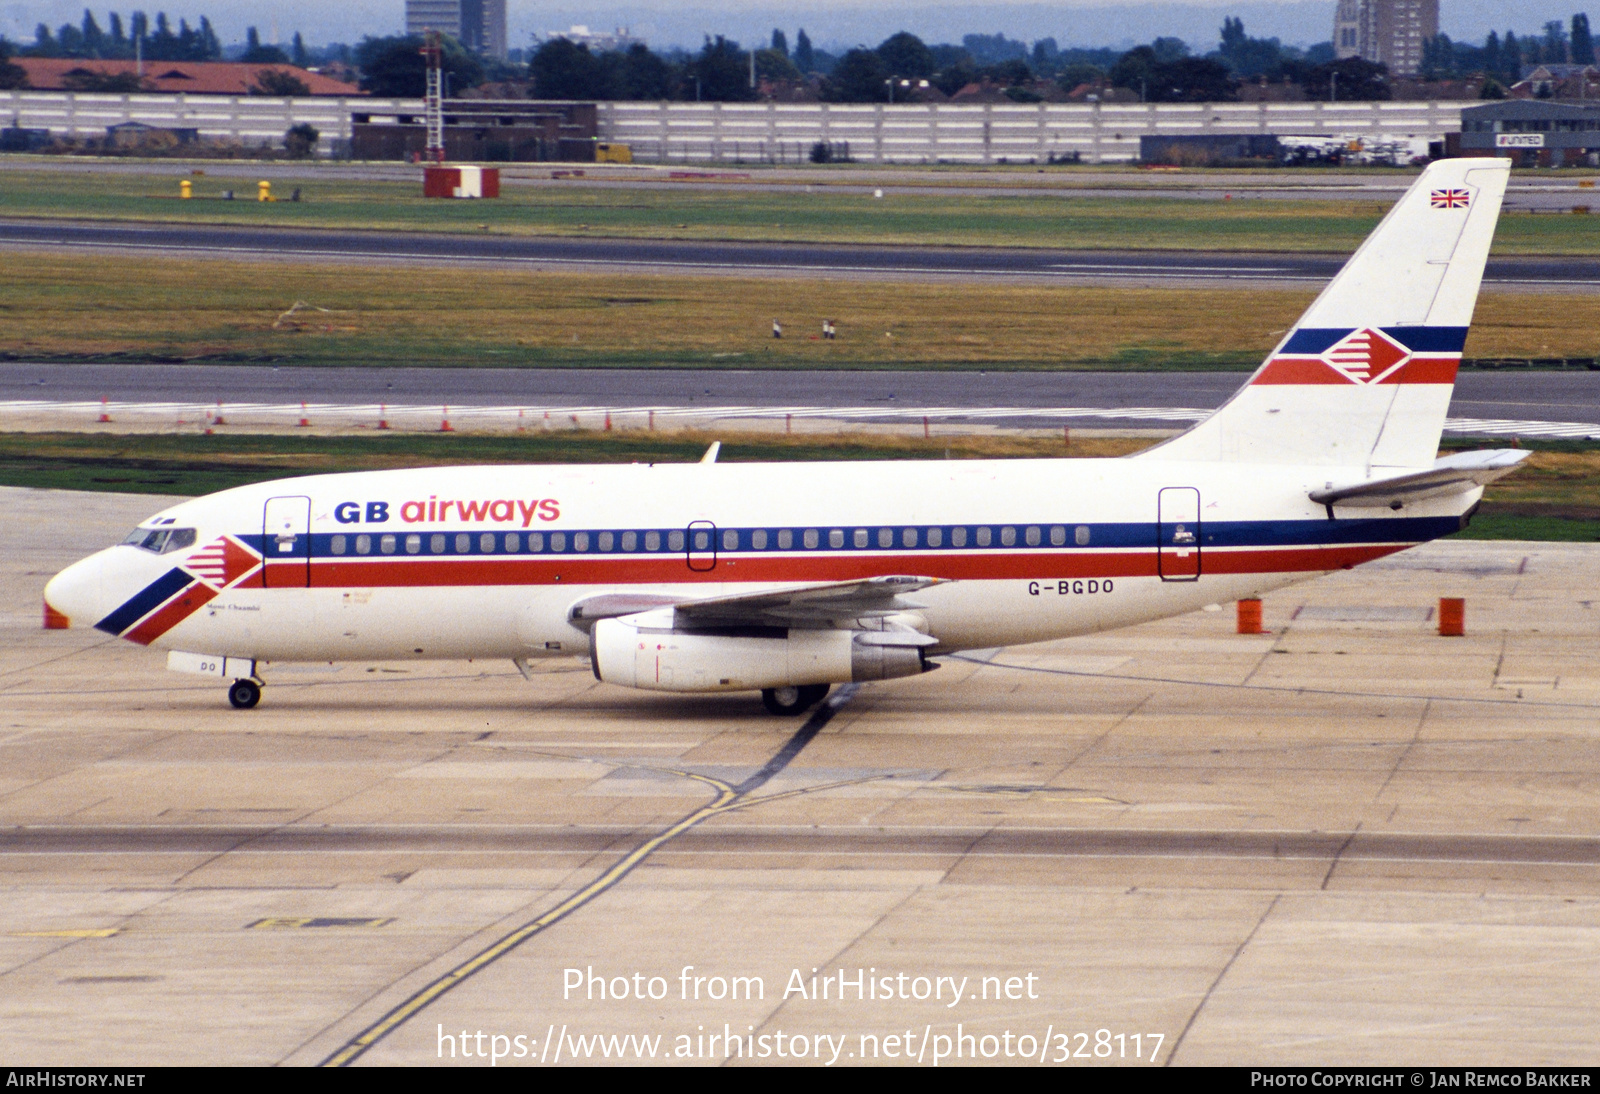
x: 790, y: 578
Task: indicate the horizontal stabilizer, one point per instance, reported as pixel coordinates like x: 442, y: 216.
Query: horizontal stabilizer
x: 1454, y: 474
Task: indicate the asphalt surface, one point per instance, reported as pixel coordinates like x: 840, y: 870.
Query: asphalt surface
x: 1547, y: 396
x: 759, y: 259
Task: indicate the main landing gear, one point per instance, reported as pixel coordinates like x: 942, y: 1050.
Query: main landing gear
x: 793, y: 700
x: 244, y: 694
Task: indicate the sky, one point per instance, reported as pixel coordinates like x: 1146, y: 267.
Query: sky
x: 835, y: 23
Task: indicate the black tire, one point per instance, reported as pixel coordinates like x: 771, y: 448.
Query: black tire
x: 793, y: 700
x: 244, y: 694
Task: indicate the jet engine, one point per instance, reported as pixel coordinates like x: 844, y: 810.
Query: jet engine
x: 649, y: 651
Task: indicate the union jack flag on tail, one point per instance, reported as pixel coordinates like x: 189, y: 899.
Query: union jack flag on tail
x: 1451, y: 199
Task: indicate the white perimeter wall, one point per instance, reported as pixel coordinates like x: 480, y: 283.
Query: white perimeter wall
x: 954, y: 133
x: 756, y: 132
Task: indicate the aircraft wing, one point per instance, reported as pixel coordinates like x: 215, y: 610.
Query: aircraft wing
x: 787, y: 603
x: 1450, y: 475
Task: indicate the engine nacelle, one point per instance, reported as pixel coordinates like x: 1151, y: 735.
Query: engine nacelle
x: 630, y: 652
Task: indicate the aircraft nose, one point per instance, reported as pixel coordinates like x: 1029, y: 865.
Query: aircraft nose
x: 76, y: 594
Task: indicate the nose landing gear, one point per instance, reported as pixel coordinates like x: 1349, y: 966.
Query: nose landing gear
x: 244, y: 694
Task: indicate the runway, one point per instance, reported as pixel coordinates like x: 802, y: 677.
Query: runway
x: 745, y: 259
x: 45, y: 396
x: 1345, y: 841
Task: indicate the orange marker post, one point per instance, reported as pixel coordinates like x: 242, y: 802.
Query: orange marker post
x: 383, y: 415
x: 105, y: 411
x: 1452, y: 616
x: 304, y: 420
x: 444, y: 424
x: 1249, y: 621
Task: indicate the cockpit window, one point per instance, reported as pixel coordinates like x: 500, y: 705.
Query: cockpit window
x: 161, y: 541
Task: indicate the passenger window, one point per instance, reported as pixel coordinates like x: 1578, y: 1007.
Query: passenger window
x: 413, y: 544
x: 1058, y: 535
x: 535, y: 542
x: 702, y: 541
x: 630, y: 541
x: 1080, y: 535
x: 958, y: 537
x: 908, y: 537
x: 513, y: 541
x: 486, y: 543
x: 674, y: 541
x: 885, y: 537
x: 463, y: 543
x: 935, y: 537
x: 558, y: 541
x: 984, y: 537
x: 785, y: 538
x: 1008, y: 536
x: 336, y: 545
x: 607, y: 541
x: 809, y: 538
x: 386, y: 544
x: 580, y: 541
x: 730, y: 540
x: 363, y: 545
x: 436, y: 543
x: 836, y: 537
x: 1031, y: 536
x: 758, y: 539
x: 652, y: 541
x: 860, y: 537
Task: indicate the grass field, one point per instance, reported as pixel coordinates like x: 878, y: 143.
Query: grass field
x: 90, y: 308
x: 1554, y: 496
x: 928, y: 216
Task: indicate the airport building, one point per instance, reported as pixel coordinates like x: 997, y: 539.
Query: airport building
x: 1388, y: 32
x: 480, y: 25
x: 1532, y: 132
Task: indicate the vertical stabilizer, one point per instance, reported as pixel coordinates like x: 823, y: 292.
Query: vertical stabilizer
x: 1364, y: 379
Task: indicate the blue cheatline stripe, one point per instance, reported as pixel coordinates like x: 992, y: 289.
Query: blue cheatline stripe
x: 1416, y: 339
x: 145, y: 601
x: 1318, y: 532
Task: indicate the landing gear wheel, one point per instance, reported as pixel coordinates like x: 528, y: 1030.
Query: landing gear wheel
x: 244, y: 694
x: 793, y: 700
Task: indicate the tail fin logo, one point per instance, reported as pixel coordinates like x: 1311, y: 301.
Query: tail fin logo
x: 1366, y: 356
x: 1452, y: 198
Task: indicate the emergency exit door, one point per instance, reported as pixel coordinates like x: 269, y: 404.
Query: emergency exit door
x: 1178, y: 534
x: 286, y: 543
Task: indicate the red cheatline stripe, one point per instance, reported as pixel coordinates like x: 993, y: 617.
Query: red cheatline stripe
x: 170, y: 614
x: 671, y: 569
